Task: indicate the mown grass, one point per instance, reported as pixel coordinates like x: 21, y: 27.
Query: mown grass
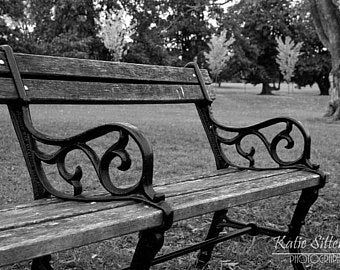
x: 180, y: 146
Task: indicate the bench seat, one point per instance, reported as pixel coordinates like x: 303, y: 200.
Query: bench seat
x: 37, y: 229
x: 51, y: 225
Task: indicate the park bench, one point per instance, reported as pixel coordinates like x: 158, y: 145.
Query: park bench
x: 57, y: 220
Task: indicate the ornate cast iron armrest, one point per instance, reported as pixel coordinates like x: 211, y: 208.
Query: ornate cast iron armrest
x: 142, y: 190
x: 28, y: 137
x: 301, y: 162
x: 213, y: 128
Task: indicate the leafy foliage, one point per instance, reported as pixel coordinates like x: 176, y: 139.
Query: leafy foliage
x: 255, y: 24
x: 314, y: 64
x: 219, y: 53
x: 172, y: 33
x: 288, y: 56
x: 53, y: 27
x: 337, y: 3
x: 148, y: 46
x: 188, y: 27
x: 114, y: 31
x: 14, y: 24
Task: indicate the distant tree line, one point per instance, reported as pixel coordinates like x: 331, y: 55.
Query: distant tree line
x: 173, y: 32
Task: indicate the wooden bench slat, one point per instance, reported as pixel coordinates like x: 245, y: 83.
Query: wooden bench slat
x: 51, y: 225
x: 241, y: 193
x: 22, y: 216
x: 213, y: 193
x: 50, y: 66
x: 70, y: 80
x: 54, y: 91
x: 72, y: 231
x: 157, y: 182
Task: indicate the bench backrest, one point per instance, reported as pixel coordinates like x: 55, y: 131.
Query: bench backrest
x: 70, y: 81
x: 34, y: 79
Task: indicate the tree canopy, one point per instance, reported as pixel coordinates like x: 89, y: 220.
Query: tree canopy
x: 255, y: 25
x: 288, y: 53
x: 219, y: 53
x: 314, y: 63
x: 174, y: 33
x: 167, y: 32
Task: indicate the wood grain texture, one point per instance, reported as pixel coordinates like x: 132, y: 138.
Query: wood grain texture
x: 61, y: 92
x: 68, y: 80
x: 27, y: 232
x: 35, y: 65
x: 37, y: 213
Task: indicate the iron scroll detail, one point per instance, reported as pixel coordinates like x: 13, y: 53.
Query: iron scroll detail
x: 284, y: 135
x: 217, y: 140
x: 100, y: 164
x: 141, y: 191
x: 271, y: 145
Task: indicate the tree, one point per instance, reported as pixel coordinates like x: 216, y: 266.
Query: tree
x: 114, y: 31
x: 188, y: 27
x: 148, y: 46
x: 63, y: 27
x: 219, y: 53
x: 287, y: 57
x: 326, y: 17
x: 314, y: 64
x: 313, y: 68
x: 15, y: 24
x: 167, y: 32
x: 255, y: 24
x: 67, y: 28
x: 170, y: 32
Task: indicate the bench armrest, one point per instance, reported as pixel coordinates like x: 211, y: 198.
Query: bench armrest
x: 282, y: 134
x: 35, y: 156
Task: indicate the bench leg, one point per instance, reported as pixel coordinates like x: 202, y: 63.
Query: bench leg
x: 42, y: 263
x: 306, y: 200
x: 204, y: 254
x: 150, y: 242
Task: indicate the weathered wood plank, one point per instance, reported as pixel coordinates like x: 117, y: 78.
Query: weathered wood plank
x: 232, y: 195
x: 52, y: 91
x: 134, y: 217
x: 34, y: 65
x: 157, y: 182
x: 52, y: 236
x: 23, y: 216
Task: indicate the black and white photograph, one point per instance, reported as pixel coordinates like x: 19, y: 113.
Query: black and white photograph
x: 169, y: 135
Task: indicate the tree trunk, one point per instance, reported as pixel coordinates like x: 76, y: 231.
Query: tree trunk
x: 333, y: 109
x: 326, y: 17
x: 266, y: 89
x: 279, y: 87
x: 324, y: 85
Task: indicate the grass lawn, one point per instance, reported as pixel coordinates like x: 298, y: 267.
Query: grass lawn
x: 180, y: 147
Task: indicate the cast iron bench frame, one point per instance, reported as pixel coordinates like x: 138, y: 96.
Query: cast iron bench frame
x: 19, y: 70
